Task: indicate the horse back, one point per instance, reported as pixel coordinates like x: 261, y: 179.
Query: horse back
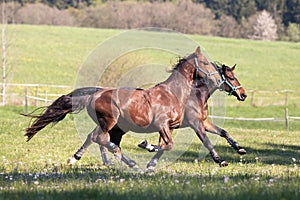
x: 124, y: 104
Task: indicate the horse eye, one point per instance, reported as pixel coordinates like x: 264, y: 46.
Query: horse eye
x: 204, y: 62
x: 230, y: 77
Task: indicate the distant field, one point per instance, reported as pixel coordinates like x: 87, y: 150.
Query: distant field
x: 53, y: 55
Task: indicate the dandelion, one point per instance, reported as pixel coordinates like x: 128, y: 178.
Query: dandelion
x: 226, y: 179
x: 122, y: 180
x: 35, y: 182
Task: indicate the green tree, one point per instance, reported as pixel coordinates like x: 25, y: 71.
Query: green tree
x: 291, y: 12
x: 235, y: 8
x: 293, y: 32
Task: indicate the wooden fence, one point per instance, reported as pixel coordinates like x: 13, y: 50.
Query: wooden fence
x: 34, y: 94
x: 42, y: 95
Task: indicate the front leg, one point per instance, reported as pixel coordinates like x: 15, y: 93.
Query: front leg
x: 210, y: 127
x: 150, y: 147
x: 165, y: 143
x: 154, y: 160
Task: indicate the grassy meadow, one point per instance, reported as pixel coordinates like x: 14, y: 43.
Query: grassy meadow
x: 38, y: 169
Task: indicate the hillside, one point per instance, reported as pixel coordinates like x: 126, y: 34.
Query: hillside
x: 53, y: 55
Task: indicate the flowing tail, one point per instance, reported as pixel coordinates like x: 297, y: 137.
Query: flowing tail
x: 73, y: 102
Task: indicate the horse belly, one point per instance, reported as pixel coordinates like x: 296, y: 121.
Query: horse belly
x: 136, y: 113
x: 140, y: 115
x: 136, y: 123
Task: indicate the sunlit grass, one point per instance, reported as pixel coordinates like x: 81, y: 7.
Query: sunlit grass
x: 53, y: 55
x: 38, y: 169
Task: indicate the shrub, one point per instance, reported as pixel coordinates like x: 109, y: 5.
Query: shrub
x: 293, y: 32
x: 43, y: 14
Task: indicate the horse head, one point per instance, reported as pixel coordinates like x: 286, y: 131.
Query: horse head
x: 205, y: 69
x: 231, y: 83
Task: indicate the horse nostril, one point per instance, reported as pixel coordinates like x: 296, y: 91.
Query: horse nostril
x: 244, y: 96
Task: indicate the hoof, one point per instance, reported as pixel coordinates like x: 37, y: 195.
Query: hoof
x: 223, y: 164
x: 150, y: 170
x: 242, y: 151
x: 143, y: 144
x: 71, y: 161
x: 132, y: 164
x: 108, y: 163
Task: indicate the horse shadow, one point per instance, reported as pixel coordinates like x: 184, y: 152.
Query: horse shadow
x: 271, y: 153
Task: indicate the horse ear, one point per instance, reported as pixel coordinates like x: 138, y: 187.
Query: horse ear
x: 233, y: 67
x: 198, y: 51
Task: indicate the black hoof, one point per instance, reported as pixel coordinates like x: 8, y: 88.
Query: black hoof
x: 223, y: 164
x: 242, y: 151
x: 143, y: 144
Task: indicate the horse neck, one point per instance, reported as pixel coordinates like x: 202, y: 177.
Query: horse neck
x: 180, y: 84
x: 204, y: 89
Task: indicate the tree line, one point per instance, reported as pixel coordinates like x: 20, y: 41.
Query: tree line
x: 288, y: 11
x: 256, y: 19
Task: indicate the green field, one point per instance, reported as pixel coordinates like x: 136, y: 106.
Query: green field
x: 34, y: 51
x: 38, y: 170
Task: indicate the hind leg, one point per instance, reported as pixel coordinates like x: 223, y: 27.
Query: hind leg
x: 198, y: 127
x: 210, y: 127
x: 102, y: 137
x: 79, y: 153
x: 116, y: 135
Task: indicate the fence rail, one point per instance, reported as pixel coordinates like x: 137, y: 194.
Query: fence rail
x: 35, y: 94
x: 38, y: 85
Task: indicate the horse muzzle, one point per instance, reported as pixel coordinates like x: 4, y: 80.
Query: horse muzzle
x: 241, y: 96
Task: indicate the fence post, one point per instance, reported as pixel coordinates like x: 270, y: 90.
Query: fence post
x: 252, y: 98
x: 286, y: 119
x: 286, y: 110
x: 46, y: 97
x: 26, y: 100
x: 36, y: 95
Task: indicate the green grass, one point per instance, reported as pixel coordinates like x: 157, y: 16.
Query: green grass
x: 38, y: 170
x: 49, y: 55
x: 53, y: 55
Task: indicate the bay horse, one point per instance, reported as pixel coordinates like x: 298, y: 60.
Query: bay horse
x: 158, y: 109
x: 195, y: 116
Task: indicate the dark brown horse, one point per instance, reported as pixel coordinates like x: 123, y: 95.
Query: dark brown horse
x: 196, y: 117
x: 158, y: 109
